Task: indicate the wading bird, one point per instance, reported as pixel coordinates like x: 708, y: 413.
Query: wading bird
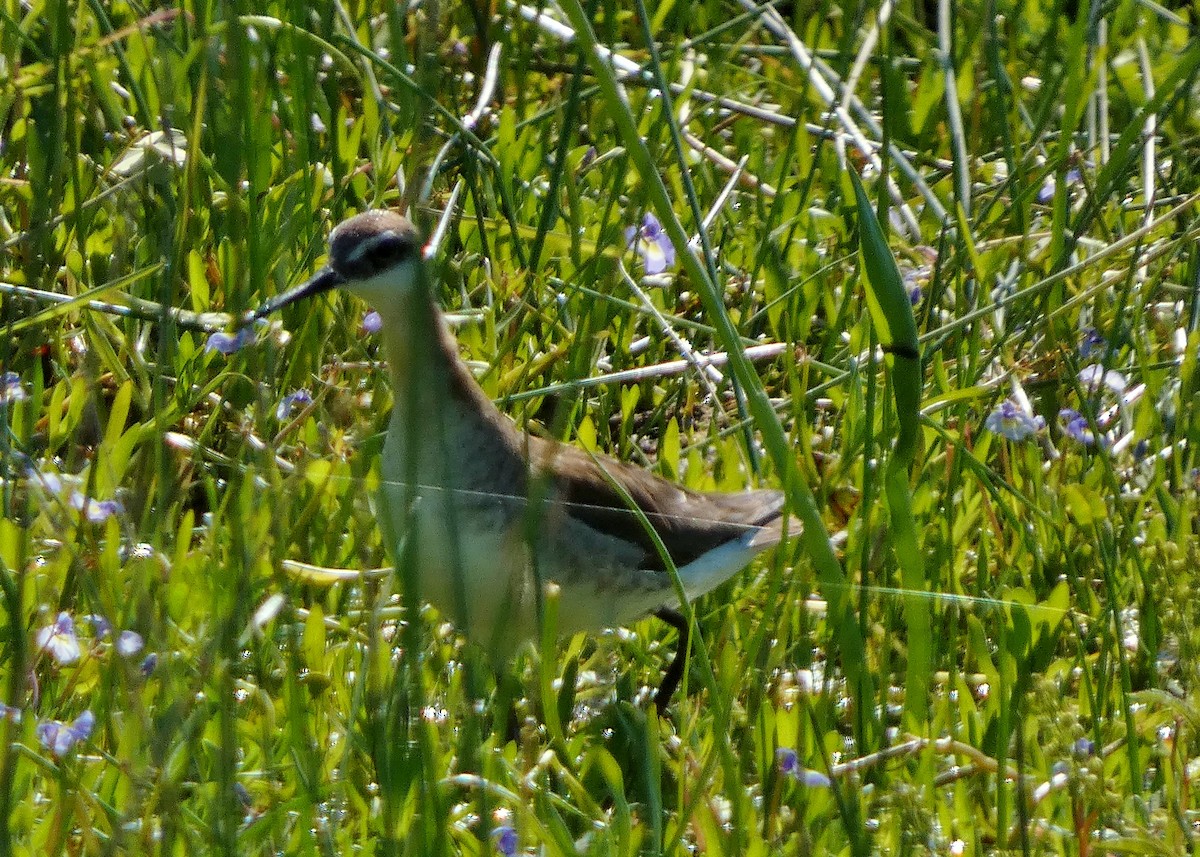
x: 489, y: 515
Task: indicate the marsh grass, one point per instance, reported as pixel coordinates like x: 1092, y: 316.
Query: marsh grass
x: 1015, y: 670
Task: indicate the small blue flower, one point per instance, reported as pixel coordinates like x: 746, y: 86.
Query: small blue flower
x: 229, y: 343
x: 372, y: 322
x: 1091, y: 342
x: 243, y: 795
x: 787, y: 761
x: 1084, y: 747
x: 96, y: 511
x: 1075, y: 426
x: 99, y: 511
x: 59, y: 737
x: 293, y: 402
x: 1011, y: 422
x: 51, y: 482
x: 1096, y: 375
x: 11, y: 389
x: 656, y: 249
x: 59, y: 640
x: 1046, y: 191
x: 101, y: 627
x: 10, y: 713
x: 129, y: 643
x: 813, y: 779
x: 789, y: 766
x: 149, y: 663
x: 915, y: 277
x: 104, y: 510
x: 505, y: 837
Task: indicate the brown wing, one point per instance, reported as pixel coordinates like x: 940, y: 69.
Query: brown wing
x: 689, y: 523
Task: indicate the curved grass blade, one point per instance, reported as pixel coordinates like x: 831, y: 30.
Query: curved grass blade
x: 891, y: 313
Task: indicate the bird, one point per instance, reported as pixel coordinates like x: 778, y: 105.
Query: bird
x: 492, y: 515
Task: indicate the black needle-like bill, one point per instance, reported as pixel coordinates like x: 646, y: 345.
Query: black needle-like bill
x: 322, y: 281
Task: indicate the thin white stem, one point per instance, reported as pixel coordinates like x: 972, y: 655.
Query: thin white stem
x: 487, y: 90
x: 767, y: 351
x: 1102, y: 90
x: 443, y: 226
x: 958, y: 137
x: 710, y: 374
x: 484, y: 98
x: 722, y: 197
x: 740, y: 176
x: 1149, y: 130
x: 818, y: 73
x: 864, y: 53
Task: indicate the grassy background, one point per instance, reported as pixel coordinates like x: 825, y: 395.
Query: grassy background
x: 1028, y: 682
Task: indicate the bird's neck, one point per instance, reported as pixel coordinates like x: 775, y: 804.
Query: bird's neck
x: 439, y: 407
x: 422, y: 355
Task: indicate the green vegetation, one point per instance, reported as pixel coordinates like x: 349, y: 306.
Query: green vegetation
x: 1003, y: 650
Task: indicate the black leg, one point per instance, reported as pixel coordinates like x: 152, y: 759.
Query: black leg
x: 674, y: 673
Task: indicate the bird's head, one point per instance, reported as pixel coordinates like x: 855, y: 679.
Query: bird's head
x: 375, y: 255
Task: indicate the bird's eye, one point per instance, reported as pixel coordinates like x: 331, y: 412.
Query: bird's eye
x: 374, y: 254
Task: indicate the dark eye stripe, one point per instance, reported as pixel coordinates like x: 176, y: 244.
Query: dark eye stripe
x: 381, y: 246
x: 371, y: 254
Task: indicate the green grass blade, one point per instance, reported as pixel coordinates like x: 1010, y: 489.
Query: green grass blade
x: 891, y: 312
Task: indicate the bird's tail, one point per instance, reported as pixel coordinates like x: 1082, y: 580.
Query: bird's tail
x: 713, y: 568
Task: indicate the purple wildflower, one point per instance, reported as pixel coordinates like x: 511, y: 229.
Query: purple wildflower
x: 11, y: 389
x: 1096, y: 375
x: 96, y: 511
x: 229, y: 343
x: 129, y: 643
x: 149, y: 663
x: 505, y: 837
x: 813, y: 779
x: 1046, y: 191
x: 656, y: 249
x: 1010, y: 421
x: 51, y: 482
x: 293, y: 402
x: 372, y: 322
x: 915, y: 277
x: 243, y: 795
x: 1091, y: 342
x: 59, y: 640
x: 10, y: 713
x: 789, y: 766
x: 101, y: 627
x: 1075, y: 426
x: 59, y: 737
